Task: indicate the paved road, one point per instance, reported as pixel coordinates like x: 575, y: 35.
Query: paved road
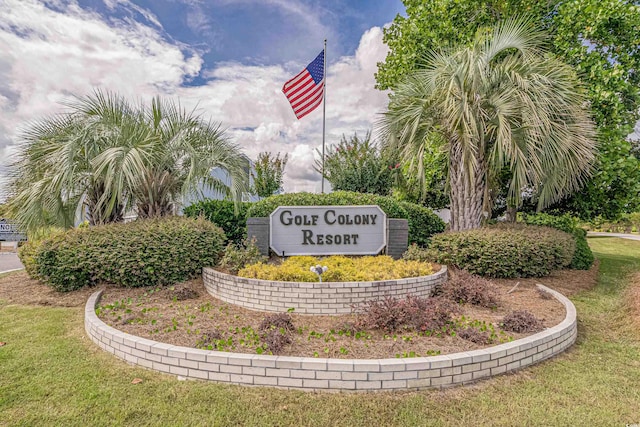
x: 9, y: 261
x: 621, y: 235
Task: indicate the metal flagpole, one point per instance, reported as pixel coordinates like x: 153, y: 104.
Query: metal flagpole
x: 324, y: 109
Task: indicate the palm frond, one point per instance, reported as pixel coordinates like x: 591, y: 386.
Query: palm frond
x: 501, y: 102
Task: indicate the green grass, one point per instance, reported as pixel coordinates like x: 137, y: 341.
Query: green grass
x: 51, y: 374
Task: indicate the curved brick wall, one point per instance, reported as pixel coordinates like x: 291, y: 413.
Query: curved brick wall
x: 312, y: 298
x: 334, y: 374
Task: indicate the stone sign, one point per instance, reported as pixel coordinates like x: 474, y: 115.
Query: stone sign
x: 328, y: 230
x: 9, y: 232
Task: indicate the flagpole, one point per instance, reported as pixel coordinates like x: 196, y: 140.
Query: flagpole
x: 324, y: 109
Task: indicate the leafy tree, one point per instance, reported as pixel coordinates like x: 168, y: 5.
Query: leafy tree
x: 358, y: 165
x: 422, y: 178
x: 269, y: 171
x: 499, y: 102
x: 598, y: 38
x: 106, y: 155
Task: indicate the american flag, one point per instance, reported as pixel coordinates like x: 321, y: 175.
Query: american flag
x: 305, y: 90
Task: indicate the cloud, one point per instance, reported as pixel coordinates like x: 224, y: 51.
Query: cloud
x: 132, y: 7
x: 48, y: 55
x: 250, y: 96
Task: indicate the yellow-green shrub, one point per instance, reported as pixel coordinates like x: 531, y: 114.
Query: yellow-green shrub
x: 340, y: 269
x: 28, y: 251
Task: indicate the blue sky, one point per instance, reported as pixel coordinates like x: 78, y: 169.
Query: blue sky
x: 227, y: 58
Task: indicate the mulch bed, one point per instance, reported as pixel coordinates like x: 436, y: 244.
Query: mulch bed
x: 184, y: 314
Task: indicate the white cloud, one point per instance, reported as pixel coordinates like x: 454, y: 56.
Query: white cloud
x: 113, y: 4
x: 45, y: 56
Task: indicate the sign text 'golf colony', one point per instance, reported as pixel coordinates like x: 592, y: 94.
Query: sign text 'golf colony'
x: 328, y: 230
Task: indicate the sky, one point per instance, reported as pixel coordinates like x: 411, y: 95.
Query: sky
x: 227, y: 59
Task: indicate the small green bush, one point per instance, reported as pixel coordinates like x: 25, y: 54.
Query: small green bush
x: 417, y: 253
x: 423, y: 223
x: 627, y: 223
x: 141, y: 253
x: 505, y: 251
x: 28, y: 250
x: 582, y: 257
x: 390, y: 206
x: 27, y: 254
x: 222, y: 213
x: 236, y: 257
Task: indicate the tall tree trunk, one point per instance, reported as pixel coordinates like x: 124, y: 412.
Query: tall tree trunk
x: 467, y: 192
x: 97, y: 213
x: 511, y: 213
x: 154, y: 194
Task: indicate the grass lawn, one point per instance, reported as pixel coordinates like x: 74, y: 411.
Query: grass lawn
x: 51, y: 374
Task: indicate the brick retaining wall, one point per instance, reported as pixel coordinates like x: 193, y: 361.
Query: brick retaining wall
x: 312, y: 298
x: 314, y: 374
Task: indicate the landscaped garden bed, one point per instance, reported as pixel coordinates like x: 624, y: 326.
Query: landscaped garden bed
x: 390, y: 334
x: 185, y: 315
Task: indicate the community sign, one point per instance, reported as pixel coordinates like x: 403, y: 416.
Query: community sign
x: 328, y: 230
x: 9, y: 232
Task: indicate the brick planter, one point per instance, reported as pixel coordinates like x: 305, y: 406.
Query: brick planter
x: 313, y: 374
x: 312, y: 298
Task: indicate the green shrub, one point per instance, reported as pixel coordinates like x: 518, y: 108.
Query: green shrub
x: 236, y: 257
x: 417, y: 253
x: 627, y: 223
x: 582, y: 257
x: 222, y: 213
x: 390, y: 206
x: 423, y: 223
x: 505, y: 251
x: 27, y: 250
x: 141, y: 253
x: 27, y: 254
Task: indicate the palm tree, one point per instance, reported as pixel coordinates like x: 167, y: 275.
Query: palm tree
x: 106, y: 156
x: 500, y: 102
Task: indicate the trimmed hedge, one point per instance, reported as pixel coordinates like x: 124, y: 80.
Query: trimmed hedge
x: 27, y: 254
x: 390, y: 206
x: 222, y: 213
x: 583, y: 257
x: 141, y: 253
x: 28, y: 250
x: 423, y: 223
x: 505, y: 251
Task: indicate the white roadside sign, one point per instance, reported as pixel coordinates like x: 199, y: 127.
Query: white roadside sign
x: 10, y: 232
x: 328, y: 230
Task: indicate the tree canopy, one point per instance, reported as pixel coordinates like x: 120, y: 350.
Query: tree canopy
x: 358, y: 164
x: 268, y: 174
x: 106, y: 156
x: 499, y: 102
x: 599, y: 39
